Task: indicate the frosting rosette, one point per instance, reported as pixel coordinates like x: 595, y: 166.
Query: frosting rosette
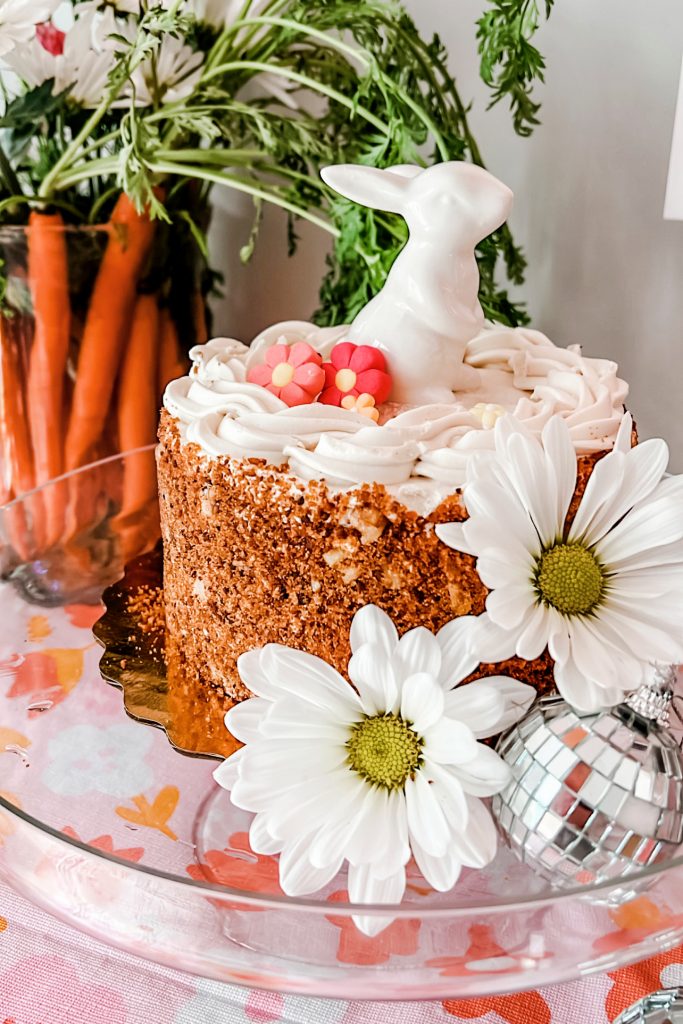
x: 236, y: 403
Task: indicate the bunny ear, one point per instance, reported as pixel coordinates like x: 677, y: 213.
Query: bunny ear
x: 381, y: 189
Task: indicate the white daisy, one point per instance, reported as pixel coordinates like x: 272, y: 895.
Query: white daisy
x: 18, y: 20
x: 373, y: 774
x: 604, y: 595
x: 171, y: 75
x: 81, y: 69
x: 218, y: 13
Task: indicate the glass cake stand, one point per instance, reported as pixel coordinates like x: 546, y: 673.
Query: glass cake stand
x: 106, y: 825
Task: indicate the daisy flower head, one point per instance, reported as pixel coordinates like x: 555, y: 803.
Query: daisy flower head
x: 375, y: 772
x: 19, y: 19
x: 602, y: 591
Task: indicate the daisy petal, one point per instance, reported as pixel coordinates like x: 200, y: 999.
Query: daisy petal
x: 298, y: 877
x: 477, y: 704
x: 440, y: 872
x: 250, y: 668
x: 485, y: 775
x: 338, y: 831
x: 475, y: 845
x: 260, y: 839
x: 508, y: 606
x: 653, y: 524
x: 450, y: 742
x: 426, y: 821
x: 457, y: 642
x: 422, y: 701
x: 372, y: 625
x: 560, y: 460
x: 517, y: 698
x: 308, y: 678
x: 244, y: 719
x: 368, y: 889
x: 226, y: 774
x: 293, y: 719
x: 371, y: 671
x: 418, y: 651
x: 453, y: 535
x: 491, y: 643
x: 582, y: 693
x: 534, y: 633
x: 365, y: 886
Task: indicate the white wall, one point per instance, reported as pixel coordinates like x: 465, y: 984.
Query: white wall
x: 605, y: 269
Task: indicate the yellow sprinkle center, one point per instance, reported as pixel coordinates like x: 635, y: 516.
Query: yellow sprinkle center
x: 282, y: 375
x: 570, y: 578
x: 384, y: 750
x: 345, y: 380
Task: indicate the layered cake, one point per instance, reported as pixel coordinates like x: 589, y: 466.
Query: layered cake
x: 301, y: 477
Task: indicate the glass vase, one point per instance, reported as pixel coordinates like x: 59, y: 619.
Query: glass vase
x: 94, y: 322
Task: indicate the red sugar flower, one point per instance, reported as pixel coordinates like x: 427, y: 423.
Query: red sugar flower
x: 292, y: 373
x: 355, y: 370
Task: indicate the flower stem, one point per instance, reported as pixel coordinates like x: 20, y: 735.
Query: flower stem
x: 7, y: 172
x: 240, y: 185
x: 309, y: 83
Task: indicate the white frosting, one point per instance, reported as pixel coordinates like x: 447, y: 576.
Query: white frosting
x: 419, y: 453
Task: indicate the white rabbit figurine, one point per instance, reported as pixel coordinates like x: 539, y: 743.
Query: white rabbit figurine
x: 428, y: 309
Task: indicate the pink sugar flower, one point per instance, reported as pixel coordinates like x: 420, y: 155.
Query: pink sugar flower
x: 291, y: 372
x: 355, y: 370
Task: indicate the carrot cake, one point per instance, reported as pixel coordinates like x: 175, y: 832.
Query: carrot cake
x: 300, y: 478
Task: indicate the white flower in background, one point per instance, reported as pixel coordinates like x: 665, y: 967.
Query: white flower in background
x: 172, y: 75
x: 18, y: 20
x: 605, y: 595
x: 78, y: 65
x: 375, y: 774
x: 219, y: 13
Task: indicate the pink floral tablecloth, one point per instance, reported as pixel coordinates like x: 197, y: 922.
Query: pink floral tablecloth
x: 51, y: 974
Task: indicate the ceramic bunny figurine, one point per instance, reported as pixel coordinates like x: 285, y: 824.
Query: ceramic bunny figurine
x: 428, y: 309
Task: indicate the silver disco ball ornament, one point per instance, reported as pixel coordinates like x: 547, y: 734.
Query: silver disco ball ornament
x: 592, y: 797
x: 664, y: 1007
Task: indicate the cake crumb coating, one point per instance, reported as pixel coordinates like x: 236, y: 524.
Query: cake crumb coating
x: 252, y: 555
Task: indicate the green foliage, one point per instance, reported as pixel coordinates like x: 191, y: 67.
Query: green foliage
x: 510, y: 63
x: 304, y: 84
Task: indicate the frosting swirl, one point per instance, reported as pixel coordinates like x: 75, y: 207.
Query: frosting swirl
x: 418, y: 453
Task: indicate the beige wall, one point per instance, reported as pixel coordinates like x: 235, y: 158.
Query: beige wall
x: 605, y: 269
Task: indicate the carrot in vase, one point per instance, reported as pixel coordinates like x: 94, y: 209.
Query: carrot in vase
x: 172, y: 362
x: 106, y: 327
x: 137, y: 422
x: 15, y: 445
x: 48, y: 278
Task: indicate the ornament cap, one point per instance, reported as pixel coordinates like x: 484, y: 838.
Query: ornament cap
x: 652, y: 700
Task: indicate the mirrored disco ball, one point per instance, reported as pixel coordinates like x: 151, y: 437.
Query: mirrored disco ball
x: 592, y: 797
x: 664, y: 1007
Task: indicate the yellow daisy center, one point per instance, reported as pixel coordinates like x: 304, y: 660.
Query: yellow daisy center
x: 345, y: 380
x: 282, y: 375
x: 570, y: 578
x: 384, y: 750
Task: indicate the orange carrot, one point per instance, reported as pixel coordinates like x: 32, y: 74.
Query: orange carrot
x: 137, y: 421
x: 48, y: 278
x: 15, y: 446
x: 104, y: 335
x: 17, y: 459
x: 172, y: 363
